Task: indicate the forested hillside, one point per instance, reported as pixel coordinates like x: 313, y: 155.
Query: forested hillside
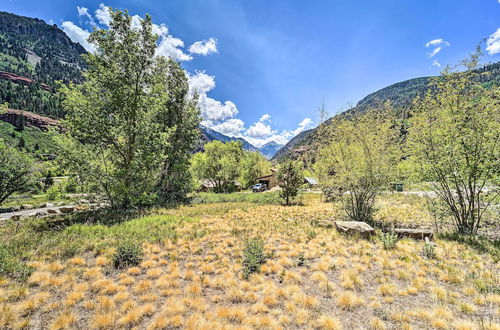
x: 43, y: 54
x: 399, y: 94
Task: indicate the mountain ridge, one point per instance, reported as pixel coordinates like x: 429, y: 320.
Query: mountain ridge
x: 400, y: 94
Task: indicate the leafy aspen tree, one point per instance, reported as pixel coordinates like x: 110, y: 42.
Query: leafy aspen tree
x: 358, y: 160
x: 454, y: 140
x: 131, y: 124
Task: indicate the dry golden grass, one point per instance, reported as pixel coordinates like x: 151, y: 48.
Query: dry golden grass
x: 321, y: 281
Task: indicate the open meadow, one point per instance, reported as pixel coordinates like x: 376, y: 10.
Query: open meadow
x: 238, y: 265
x: 250, y: 165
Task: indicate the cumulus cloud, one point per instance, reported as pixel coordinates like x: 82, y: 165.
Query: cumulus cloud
x: 230, y: 127
x: 77, y: 34
x: 305, y: 124
x: 211, y: 109
x: 438, y: 45
x: 103, y: 14
x: 260, y: 130
x: 169, y: 46
x: 214, y: 110
x: 265, y: 117
x: 200, y: 82
x: 204, y: 47
x: 493, y: 42
x: 281, y: 138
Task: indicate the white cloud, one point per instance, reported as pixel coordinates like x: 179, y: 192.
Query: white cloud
x: 230, y: 127
x: 435, y: 51
x: 82, y: 11
x: 437, y: 42
x: 170, y: 47
x: 265, y: 117
x: 436, y: 63
x: 200, y: 82
x: 77, y: 34
x: 260, y: 130
x: 215, y: 110
x: 204, y: 47
x: 493, y: 42
x: 438, y: 45
x: 103, y: 14
x: 305, y: 124
x: 281, y: 138
x: 211, y: 110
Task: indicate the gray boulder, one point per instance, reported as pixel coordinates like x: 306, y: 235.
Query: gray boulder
x: 47, y: 205
x: 26, y: 207
x: 351, y: 227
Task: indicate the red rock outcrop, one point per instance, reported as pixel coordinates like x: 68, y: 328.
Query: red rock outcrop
x: 22, y: 80
x: 16, y: 117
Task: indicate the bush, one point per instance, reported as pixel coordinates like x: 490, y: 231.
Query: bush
x: 429, y: 251
x: 127, y: 254
x: 259, y: 198
x: 253, y: 256
x: 11, y: 266
x: 389, y: 240
x: 54, y: 192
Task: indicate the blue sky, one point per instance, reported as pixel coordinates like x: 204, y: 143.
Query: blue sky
x: 270, y: 64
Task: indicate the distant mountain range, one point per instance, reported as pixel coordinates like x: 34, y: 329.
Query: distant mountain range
x: 34, y: 54
x: 399, y: 94
x: 269, y: 149
x: 208, y: 135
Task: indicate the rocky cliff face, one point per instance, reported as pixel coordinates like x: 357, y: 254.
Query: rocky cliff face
x: 18, y: 118
x: 22, y: 80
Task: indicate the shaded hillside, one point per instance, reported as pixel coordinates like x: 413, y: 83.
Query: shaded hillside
x: 399, y: 94
x: 292, y: 144
x: 209, y: 135
x: 38, y: 52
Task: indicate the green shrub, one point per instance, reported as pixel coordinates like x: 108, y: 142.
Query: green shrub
x: 11, y: 266
x: 127, y: 254
x: 53, y: 192
x: 429, y: 251
x: 389, y: 240
x: 257, y: 198
x: 253, y: 256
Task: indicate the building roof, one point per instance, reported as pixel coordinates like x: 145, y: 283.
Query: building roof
x: 311, y: 180
x: 207, y: 184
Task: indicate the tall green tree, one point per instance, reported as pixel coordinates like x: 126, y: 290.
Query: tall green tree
x: 220, y: 164
x: 253, y: 165
x: 290, y: 176
x: 359, y: 160
x: 131, y: 123
x: 16, y: 171
x: 454, y: 140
